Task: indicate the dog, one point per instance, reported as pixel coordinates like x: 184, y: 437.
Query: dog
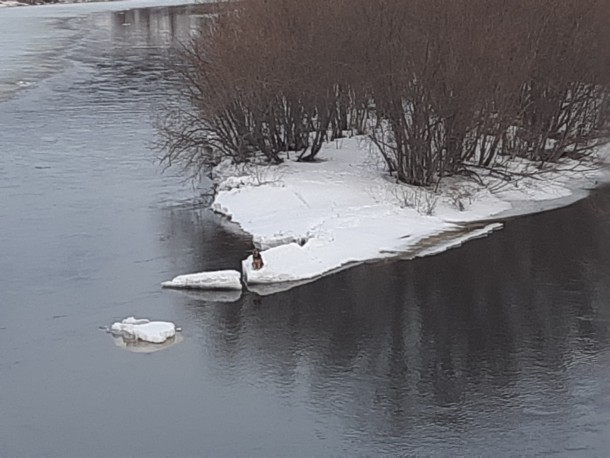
x: 257, y: 260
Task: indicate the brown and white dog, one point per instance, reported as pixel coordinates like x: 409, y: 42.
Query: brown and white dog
x: 257, y: 260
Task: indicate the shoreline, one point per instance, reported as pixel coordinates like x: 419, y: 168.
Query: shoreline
x: 15, y: 3
x: 311, y: 220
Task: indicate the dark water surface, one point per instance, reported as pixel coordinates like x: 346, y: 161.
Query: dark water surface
x: 499, y: 347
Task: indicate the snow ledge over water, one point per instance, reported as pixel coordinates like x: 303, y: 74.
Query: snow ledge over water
x: 218, y: 280
x: 311, y: 219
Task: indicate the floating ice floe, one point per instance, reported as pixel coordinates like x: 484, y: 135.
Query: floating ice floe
x: 216, y: 280
x: 142, y: 329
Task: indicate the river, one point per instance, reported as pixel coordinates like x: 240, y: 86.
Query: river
x: 500, y: 347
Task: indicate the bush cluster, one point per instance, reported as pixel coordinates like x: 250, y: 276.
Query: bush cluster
x: 437, y: 84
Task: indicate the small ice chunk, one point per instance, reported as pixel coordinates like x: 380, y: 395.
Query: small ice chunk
x: 145, y: 330
x: 220, y: 279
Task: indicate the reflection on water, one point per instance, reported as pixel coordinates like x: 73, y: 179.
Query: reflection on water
x: 493, y: 336
x: 140, y: 346
x: 498, y: 347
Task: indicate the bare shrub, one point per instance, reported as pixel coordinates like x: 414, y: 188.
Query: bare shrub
x: 562, y: 99
x: 437, y: 84
x: 420, y: 199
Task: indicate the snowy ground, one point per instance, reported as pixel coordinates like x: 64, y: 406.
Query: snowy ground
x: 6, y: 3
x: 311, y: 219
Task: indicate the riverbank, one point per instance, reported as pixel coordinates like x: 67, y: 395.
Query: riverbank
x: 12, y: 3
x: 311, y: 219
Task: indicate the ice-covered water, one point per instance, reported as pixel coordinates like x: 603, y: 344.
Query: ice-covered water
x: 499, y: 347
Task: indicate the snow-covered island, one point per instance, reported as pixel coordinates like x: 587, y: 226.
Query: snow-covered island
x: 311, y: 219
x: 457, y: 130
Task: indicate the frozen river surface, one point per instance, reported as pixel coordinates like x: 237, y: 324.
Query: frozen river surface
x: 499, y: 347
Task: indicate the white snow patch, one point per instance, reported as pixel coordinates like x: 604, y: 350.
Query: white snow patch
x: 220, y: 279
x: 317, y: 218
x: 132, y: 328
x: 266, y: 242
x: 7, y: 3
